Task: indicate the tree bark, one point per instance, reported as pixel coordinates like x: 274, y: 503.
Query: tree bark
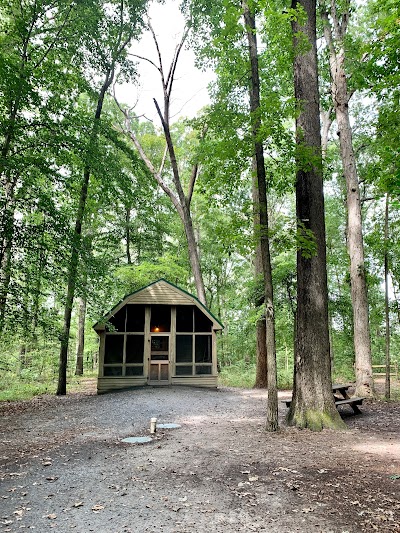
x: 262, y: 209
x: 128, y: 234
x: 387, y: 318
x: 261, y: 346
x: 359, y: 296
x: 312, y: 405
x: 81, y: 336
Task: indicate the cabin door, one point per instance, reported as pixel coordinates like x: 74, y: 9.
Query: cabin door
x: 159, y: 360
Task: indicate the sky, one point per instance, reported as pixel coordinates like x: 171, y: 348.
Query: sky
x: 189, y: 92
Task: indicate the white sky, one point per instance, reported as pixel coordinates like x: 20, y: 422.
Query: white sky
x: 189, y: 93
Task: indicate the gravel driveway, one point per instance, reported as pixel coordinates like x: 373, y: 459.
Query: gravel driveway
x: 64, y: 467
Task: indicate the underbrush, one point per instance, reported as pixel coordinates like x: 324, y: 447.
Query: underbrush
x: 16, y: 387
x: 243, y: 375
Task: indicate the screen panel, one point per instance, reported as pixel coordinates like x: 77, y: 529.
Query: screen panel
x: 203, y: 349
x: 134, y: 348
x: 114, y: 349
x: 184, y: 344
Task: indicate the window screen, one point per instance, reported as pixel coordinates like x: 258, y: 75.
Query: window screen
x: 201, y: 322
x: 135, y: 317
x: 134, y: 371
x: 203, y: 349
x: 183, y: 370
x: 114, y: 349
x: 113, y: 370
x: 184, y: 318
x: 160, y: 318
x: 203, y: 369
x: 184, y: 345
x: 117, y: 321
x: 134, y: 348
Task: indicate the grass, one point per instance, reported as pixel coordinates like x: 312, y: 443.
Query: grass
x: 243, y: 375
x: 15, y: 388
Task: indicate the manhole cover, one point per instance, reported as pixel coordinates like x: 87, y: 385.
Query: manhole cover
x: 168, y: 426
x: 137, y: 440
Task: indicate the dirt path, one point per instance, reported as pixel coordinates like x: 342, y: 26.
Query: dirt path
x: 64, y: 467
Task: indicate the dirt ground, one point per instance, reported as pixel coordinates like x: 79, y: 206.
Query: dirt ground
x: 65, y: 468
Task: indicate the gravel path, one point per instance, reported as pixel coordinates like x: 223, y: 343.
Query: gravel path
x: 64, y: 467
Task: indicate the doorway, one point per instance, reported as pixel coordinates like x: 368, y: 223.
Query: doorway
x: 159, y: 360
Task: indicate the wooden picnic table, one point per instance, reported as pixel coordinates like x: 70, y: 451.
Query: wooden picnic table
x: 345, y: 398
x: 342, y: 397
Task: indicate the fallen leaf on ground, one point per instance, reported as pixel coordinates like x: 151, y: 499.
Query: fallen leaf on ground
x: 97, y: 508
x: 78, y: 504
x: 52, y: 516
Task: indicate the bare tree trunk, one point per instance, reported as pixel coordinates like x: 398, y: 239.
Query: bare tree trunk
x: 262, y: 208
x: 6, y: 243
x: 387, y: 318
x: 261, y: 346
x: 179, y: 199
x: 81, y: 336
x: 128, y: 234
x: 326, y: 120
x: 341, y: 97
x: 312, y: 404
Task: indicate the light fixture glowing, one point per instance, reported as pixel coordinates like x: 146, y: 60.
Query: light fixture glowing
x: 156, y: 328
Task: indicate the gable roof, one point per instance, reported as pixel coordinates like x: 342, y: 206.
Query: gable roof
x: 159, y: 292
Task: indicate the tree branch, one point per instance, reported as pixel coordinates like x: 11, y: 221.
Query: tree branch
x: 128, y: 131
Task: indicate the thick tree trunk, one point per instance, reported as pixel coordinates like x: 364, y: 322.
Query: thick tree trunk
x: 262, y: 208
x: 359, y: 295
x: 80, y: 347
x: 312, y: 405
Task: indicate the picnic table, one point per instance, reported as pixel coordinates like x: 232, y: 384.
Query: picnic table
x: 342, y: 397
x: 345, y: 398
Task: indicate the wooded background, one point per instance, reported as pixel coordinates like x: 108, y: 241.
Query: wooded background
x: 97, y: 202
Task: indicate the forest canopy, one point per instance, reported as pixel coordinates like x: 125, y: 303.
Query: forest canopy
x: 97, y: 201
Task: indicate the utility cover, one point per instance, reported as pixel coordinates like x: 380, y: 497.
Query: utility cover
x: 137, y: 440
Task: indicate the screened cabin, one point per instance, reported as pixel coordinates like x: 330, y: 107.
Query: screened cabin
x: 159, y: 335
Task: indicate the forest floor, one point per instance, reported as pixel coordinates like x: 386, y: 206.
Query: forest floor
x: 65, y: 468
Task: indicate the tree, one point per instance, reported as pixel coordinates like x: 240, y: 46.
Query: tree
x: 335, y: 28
x: 177, y: 195
x: 312, y: 405
x: 112, y: 29
x: 261, y: 209
x: 33, y: 50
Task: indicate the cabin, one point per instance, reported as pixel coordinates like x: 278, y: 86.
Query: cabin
x: 158, y: 335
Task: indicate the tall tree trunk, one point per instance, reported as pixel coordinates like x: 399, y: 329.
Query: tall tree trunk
x: 76, y: 242
x: 387, y: 318
x: 312, y: 405
x: 6, y: 243
x: 359, y: 296
x: 261, y: 326
x: 261, y: 346
x: 180, y: 201
x: 81, y: 336
x: 262, y: 208
x: 128, y: 234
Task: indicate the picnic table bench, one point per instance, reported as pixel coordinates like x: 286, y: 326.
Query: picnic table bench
x: 341, y: 397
